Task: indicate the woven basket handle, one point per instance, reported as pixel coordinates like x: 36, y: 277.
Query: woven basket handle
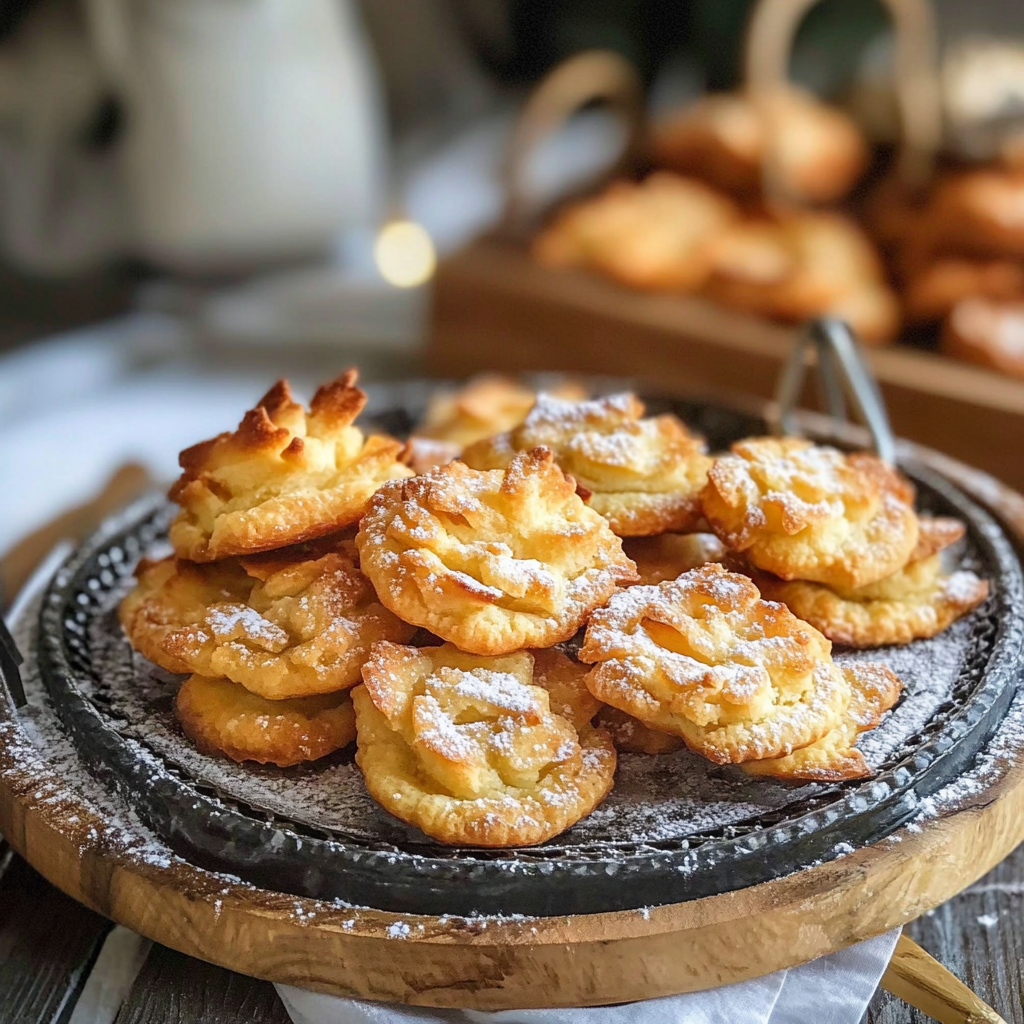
x: 770, y: 35
x: 597, y: 75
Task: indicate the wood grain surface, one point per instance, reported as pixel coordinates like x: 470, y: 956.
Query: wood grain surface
x: 961, y: 933
x: 979, y: 936
x: 48, y: 943
x: 173, y: 988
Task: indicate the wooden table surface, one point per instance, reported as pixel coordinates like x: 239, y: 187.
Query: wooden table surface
x: 49, y: 943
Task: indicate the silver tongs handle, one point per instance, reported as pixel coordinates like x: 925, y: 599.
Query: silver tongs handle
x: 842, y: 374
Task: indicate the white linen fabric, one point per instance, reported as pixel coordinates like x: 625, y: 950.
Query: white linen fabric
x: 833, y: 989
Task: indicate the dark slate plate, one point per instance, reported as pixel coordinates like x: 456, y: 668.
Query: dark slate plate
x: 675, y: 827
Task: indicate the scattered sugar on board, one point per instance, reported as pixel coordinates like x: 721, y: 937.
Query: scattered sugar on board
x: 656, y: 798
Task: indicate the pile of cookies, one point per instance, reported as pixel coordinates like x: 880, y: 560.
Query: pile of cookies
x: 958, y: 254
x: 700, y: 224
x: 677, y: 234
x: 321, y: 591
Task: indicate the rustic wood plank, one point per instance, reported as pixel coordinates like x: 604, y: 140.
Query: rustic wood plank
x: 979, y: 936
x: 173, y: 988
x: 48, y: 944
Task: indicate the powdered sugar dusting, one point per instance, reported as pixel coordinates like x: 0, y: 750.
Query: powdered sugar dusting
x: 655, y: 799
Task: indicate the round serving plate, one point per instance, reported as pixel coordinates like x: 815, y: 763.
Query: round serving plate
x: 675, y: 827
x: 828, y: 868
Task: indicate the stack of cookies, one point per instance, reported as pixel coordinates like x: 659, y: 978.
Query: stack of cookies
x: 958, y: 252
x: 564, y: 519
x: 262, y: 602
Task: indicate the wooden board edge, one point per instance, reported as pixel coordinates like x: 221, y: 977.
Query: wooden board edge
x: 493, y: 963
x: 505, y: 963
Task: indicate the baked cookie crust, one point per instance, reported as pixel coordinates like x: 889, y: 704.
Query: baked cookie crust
x: 225, y: 719
x: 819, y: 152
x: 918, y: 602
x: 487, y: 405
x: 467, y: 749
x: 799, y: 265
x: 653, y: 235
x: 286, y: 624
x: 874, y: 689
x: 704, y: 658
x: 493, y: 561
x: 283, y: 476
x: 668, y: 555
x: 805, y: 511
x: 643, y: 475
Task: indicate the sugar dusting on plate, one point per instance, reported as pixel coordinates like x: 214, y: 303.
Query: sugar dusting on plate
x: 710, y: 798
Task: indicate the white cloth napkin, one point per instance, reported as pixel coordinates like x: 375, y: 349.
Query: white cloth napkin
x: 833, y: 989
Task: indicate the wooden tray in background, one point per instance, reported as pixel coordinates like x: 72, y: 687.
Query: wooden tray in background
x: 494, y: 308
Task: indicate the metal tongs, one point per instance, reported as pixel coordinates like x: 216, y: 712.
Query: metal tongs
x: 842, y: 373
x: 913, y: 975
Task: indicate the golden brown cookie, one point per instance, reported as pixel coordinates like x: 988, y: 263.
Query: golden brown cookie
x: 990, y: 334
x: 467, y: 749
x: 492, y: 561
x: 652, y: 235
x: 704, y: 658
x: 669, y: 555
x: 566, y: 683
x: 487, y: 405
x: 917, y: 602
x: 643, y: 475
x: 283, y: 476
x: 805, y: 511
x: 935, y: 534
x: 223, y: 718
x: 936, y: 288
x: 818, y: 151
x: 874, y: 689
x: 978, y: 212
x: 804, y: 265
x: 291, y: 623
x: 170, y: 594
x: 631, y: 736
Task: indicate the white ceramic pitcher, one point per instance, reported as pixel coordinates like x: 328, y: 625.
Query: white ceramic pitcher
x: 254, y: 128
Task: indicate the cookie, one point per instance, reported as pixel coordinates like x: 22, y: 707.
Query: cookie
x: 874, y: 689
x: 292, y: 623
x: 468, y: 750
x: 487, y: 405
x: 643, y: 474
x: 669, y: 555
x: 809, y: 512
x: 917, y: 602
x: 989, y: 334
x: 283, y: 476
x: 797, y: 266
x: 492, y: 561
x: 225, y: 719
x: 818, y: 152
x: 652, y: 235
x: 704, y: 658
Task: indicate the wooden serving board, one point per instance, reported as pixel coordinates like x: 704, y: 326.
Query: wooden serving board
x: 495, y: 308
x: 504, y: 963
